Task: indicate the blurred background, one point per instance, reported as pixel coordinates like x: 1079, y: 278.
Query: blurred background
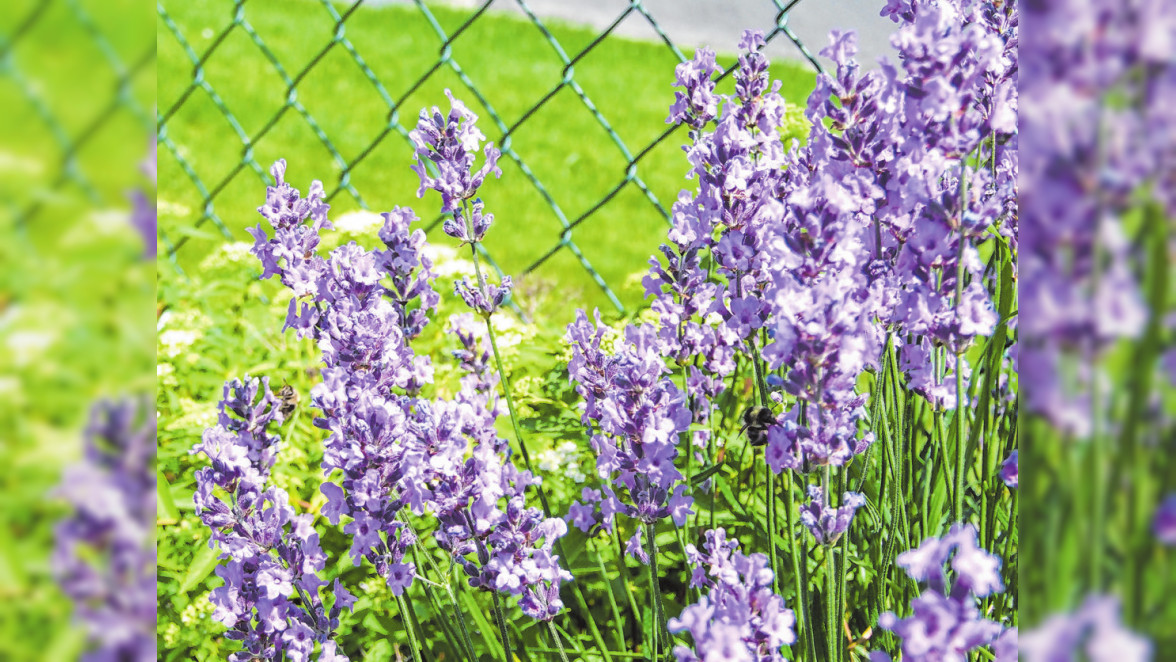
x: 77, y: 102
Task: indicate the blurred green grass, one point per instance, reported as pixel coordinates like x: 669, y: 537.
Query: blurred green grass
x: 77, y: 88
x: 509, y: 61
x: 63, y: 97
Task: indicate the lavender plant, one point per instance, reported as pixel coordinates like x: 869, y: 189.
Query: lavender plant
x: 271, y: 598
x: 848, y: 299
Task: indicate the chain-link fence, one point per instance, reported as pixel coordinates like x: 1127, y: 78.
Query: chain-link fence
x: 77, y: 80
x: 237, y: 38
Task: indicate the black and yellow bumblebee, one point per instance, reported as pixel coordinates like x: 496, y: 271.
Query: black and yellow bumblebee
x: 756, y: 421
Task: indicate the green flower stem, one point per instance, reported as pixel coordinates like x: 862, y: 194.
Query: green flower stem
x: 501, y: 621
x: 802, y: 598
x: 467, y: 643
x: 559, y: 644
x: 514, y: 421
x: 831, y: 626
x: 770, y: 481
x: 659, y: 613
x: 842, y: 479
x: 412, y: 640
x: 810, y: 632
x: 618, y: 635
x: 961, y: 408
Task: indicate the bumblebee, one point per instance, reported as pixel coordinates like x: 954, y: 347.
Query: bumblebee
x: 287, y: 401
x: 756, y: 421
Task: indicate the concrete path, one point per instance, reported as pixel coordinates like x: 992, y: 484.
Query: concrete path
x: 718, y: 23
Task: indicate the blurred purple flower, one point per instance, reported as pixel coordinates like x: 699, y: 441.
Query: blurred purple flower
x: 104, y: 553
x: 1165, y: 521
x: 946, y: 623
x: 1094, y: 632
x: 1008, y: 470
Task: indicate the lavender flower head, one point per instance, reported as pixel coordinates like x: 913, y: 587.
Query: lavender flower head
x: 1165, y: 521
x: 1008, y: 470
x: 946, y: 623
x: 270, y: 554
x: 451, y: 143
x: 827, y: 522
x: 104, y: 556
x: 697, y: 105
x: 636, y: 415
x: 739, y: 618
x: 1094, y: 632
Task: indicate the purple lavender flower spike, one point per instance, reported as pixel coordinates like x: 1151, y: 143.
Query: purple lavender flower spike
x: 636, y: 416
x: 739, y: 618
x: 484, y: 301
x: 697, y: 105
x: 946, y: 623
x: 1165, y: 521
x: 1093, y: 632
x: 112, y: 493
x: 451, y: 143
x: 826, y: 522
x: 1008, y: 470
x: 270, y: 554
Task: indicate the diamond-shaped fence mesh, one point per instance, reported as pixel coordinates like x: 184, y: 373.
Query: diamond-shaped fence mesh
x: 77, y: 86
x: 277, y: 79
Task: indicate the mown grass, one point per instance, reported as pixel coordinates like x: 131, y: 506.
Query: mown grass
x: 509, y: 61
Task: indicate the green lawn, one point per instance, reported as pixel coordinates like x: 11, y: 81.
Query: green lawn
x: 507, y: 58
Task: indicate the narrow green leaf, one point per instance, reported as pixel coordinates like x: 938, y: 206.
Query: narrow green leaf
x: 206, y: 559
x: 165, y: 502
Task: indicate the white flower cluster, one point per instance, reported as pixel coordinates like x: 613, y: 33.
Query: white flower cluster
x: 563, y: 459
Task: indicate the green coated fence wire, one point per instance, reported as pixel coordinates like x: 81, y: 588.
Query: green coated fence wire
x: 22, y: 46
x: 564, y: 239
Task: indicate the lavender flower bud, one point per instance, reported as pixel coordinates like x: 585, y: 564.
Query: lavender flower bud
x: 484, y: 301
x: 826, y: 522
x: 451, y: 142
